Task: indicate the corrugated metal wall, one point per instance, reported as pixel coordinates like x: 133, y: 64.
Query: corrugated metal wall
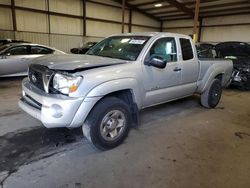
x: 40, y: 38
x: 65, y: 43
x: 65, y: 32
x: 7, y: 35
x: 6, y: 19
x: 31, y: 21
x: 226, y: 33
x: 216, y: 29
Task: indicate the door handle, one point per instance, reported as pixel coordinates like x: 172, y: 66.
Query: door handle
x: 176, y: 69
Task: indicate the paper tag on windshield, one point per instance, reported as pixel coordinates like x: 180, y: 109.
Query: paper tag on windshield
x: 133, y: 41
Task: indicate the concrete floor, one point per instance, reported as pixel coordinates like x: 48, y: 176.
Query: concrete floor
x: 179, y: 144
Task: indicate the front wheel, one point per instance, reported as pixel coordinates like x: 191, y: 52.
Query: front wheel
x: 211, y: 97
x: 108, y: 123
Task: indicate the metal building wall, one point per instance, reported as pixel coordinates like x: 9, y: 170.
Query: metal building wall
x: 39, y: 38
x: 215, y: 29
x: 65, y: 43
x: 7, y: 34
x: 6, y: 19
x: 73, y: 7
x: 178, y: 26
x: 105, y: 12
x: 41, y: 4
x: 63, y: 25
x: 227, y: 28
x: 31, y: 21
x: 139, y: 18
x: 96, y: 27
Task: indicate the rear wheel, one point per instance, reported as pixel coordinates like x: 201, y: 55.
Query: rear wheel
x: 108, y: 123
x: 211, y: 97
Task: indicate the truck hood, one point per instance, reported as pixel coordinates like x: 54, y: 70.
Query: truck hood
x: 75, y: 62
x: 237, y: 49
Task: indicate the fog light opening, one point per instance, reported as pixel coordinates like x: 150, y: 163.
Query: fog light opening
x: 56, y: 111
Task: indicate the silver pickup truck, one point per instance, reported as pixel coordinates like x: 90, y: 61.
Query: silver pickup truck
x: 104, y: 90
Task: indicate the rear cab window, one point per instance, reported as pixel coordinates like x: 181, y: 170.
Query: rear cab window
x: 186, y: 49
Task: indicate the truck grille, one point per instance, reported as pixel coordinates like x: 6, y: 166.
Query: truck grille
x: 36, y: 77
x: 40, y: 76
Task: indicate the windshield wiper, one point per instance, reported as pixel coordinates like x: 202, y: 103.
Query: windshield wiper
x: 109, y: 56
x: 106, y: 56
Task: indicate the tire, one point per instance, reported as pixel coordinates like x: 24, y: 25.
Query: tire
x: 108, y: 123
x: 211, y: 97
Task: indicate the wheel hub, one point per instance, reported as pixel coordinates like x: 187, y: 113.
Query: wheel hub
x: 112, y: 125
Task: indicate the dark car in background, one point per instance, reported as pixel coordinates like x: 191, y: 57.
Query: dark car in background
x: 239, y: 53
x: 83, y: 49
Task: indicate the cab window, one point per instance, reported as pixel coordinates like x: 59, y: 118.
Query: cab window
x: 40, y: 50
x: 187, y: 50
x: 18, y: 50
x: 164, y: 48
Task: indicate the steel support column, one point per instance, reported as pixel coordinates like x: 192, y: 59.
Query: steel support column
x: 123, y: 14
x: 49, y: 25
x: 13, y: 11
x: 161, y: 26
x: 196, y: 20
x: 130, y: 21
x: 200, y: 29
x: 84, y: 18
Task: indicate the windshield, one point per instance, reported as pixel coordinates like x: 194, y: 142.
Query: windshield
x: 120, y: 47
x: 4, y: 47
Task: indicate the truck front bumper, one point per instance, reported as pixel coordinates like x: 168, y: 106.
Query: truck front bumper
x: 55, y: 110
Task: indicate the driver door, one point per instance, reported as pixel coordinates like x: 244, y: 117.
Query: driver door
x: 14, y: 60
x: 162, y: 84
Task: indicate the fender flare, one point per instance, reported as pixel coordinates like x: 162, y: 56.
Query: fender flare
x: 101, y: 90
x: 208, y: 78
x: 117, y: 85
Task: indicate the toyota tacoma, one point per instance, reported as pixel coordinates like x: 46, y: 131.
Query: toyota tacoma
x: 104, y: 90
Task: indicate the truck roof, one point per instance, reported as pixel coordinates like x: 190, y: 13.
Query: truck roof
x: 152, y: 34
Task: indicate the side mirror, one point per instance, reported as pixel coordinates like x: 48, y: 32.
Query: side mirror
x: 157, y: 62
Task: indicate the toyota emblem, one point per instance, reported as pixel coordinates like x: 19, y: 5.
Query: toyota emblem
x: 33, y: 78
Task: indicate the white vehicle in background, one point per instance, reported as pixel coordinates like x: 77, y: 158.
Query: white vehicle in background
x: 15, y: 58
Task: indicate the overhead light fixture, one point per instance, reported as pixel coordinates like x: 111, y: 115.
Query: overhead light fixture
x: 158, y: 5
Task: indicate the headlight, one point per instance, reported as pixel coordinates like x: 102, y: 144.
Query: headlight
x: 66, y: 84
